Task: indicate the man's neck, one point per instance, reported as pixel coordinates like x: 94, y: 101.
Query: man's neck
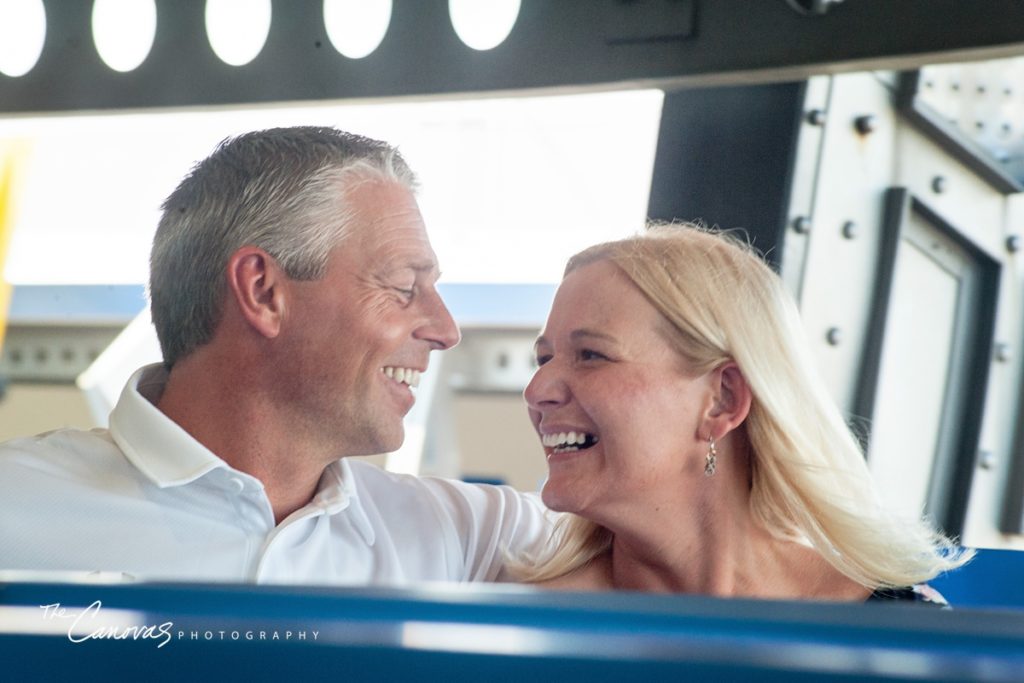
x: 238, y: 424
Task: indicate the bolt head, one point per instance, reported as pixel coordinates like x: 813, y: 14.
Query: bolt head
x: 986, y: 459
x: 939, y: 184
x: 850, y: 230
x: 1014, y: 243
x: 816, y: 117
x: 834, y: 336
x: 866, y: 124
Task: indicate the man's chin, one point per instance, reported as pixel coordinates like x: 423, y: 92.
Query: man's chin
x: 369, y: 437
x: 384, y: 443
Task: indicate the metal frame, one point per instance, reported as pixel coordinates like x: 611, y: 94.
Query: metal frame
x: 950, y: 138
x: 1012, y: 519
x: 576, y: 44
x: 963, y: 404
x: 474, y: 632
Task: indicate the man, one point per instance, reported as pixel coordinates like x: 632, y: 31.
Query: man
x: 293, y: 292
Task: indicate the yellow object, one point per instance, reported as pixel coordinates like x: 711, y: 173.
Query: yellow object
x: 11, y: 155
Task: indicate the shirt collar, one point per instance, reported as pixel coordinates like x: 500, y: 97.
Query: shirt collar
x: 338, y: 492
x: 155, y: 444
x: 169, y: 456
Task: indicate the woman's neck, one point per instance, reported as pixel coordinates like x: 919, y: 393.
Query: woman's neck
x: 769, y: 568
x: 711, y: 545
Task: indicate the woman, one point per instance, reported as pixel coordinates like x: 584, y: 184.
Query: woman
x: 685, y: 428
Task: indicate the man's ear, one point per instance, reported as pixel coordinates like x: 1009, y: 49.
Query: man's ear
x: 256, y: 283
x: 731, y: 403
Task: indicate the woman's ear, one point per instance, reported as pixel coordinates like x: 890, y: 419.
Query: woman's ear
x: 731, y: 403
x: 256, y: 283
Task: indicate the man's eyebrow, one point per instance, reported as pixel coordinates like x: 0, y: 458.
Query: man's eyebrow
x: 429, y: 267
x: 419, y: 267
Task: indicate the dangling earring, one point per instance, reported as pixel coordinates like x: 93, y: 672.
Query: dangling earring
x: 711, y: 458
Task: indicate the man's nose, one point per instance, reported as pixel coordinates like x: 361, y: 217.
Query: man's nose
x: 440, y: 330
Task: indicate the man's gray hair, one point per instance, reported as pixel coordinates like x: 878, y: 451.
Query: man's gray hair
x: 282, y: 190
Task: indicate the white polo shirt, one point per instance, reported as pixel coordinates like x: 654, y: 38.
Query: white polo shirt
x: 146, y: 499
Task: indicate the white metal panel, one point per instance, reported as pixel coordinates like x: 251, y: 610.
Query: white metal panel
x: 806, y: 167
x: 913, y: 377
x: 989, y: 487
x: 838, y: 285
x: 965, y: 200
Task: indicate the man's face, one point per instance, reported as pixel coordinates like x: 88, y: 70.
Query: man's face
x: 354, y: 340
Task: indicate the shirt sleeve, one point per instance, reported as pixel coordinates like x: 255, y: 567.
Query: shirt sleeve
x: 491, y: 524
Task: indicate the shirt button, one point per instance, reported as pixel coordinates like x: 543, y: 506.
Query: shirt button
x: 237, y: 484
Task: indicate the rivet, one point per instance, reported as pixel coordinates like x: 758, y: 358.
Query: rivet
x: 850, y: 230
x: 939, y: 184
x: 1002, y: 352
x: 816, y: 117
x: 802, y: 224
x: 866, y: 124
x: 1014, y: 243
x: 986, y: 459
x: 834, y: 336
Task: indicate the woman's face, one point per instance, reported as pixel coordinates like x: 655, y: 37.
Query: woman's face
x: 609, y: 376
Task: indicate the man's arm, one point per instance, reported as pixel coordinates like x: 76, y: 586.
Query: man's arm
x: 492, y: 524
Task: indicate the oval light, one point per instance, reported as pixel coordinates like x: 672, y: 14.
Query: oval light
x: 237, y: 29
x: 356, y: 27
x: 483, y: 24
x: 123, y: 31
x: 22, y: 34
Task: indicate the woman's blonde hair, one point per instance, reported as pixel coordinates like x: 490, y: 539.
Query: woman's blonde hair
x: 810, y: 482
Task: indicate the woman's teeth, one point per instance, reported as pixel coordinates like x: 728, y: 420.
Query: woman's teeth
x: 403, y: 375
x: 568, y: 441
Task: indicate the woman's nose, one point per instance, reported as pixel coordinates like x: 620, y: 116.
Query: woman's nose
x: 546, y: 388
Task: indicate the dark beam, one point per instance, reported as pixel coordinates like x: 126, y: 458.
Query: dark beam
x: 555, y: 44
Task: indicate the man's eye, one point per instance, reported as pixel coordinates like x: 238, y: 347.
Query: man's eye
x: 587, y: 354
x: 543, y: 358
x: 407, y: 293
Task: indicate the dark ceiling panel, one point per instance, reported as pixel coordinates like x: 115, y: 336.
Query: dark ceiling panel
x: 553, y: 44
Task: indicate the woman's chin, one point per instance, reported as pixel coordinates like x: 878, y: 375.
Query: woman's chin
x: 555, y: 499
